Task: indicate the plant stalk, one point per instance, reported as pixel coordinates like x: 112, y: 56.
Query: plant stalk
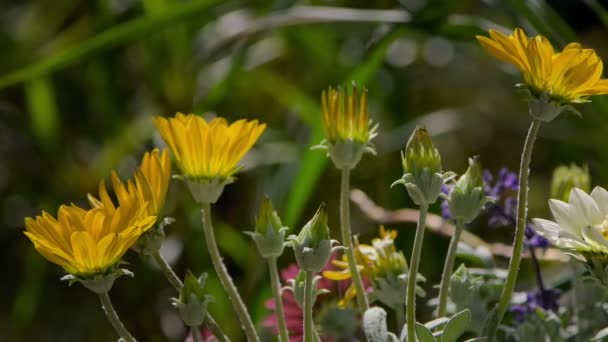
x: 520, y: 227
x: 196, y: 334
x: 448, y: 268
x: 309, y: 334
x: 108, y: 308
x: 410, y: 306
x: 278, y: 301
x: 225, y: 278
x: 347, y: 240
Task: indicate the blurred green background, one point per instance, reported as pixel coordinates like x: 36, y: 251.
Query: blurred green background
x: 80, y: 81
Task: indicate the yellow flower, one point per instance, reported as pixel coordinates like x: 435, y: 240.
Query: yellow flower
x: 569, y: 76
x: 207, y: 151
x: 345, y: 116
x: 377, y: 261
x: 89, y: 242
x: 149, y: 184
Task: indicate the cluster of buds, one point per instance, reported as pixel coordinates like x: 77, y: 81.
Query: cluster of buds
x: 467, y: 197
x: 348, y: 128
x: 423, y: 175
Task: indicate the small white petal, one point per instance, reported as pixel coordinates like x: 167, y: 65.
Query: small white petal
x: 585, y: 204
x: 567, y: 217
x: 600, y: 196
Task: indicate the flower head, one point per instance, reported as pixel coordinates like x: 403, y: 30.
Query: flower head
x: 567, y: 76
x: 581, y: 225
x: 345, y: 116
x: 348, y: 128
x: 381, y: 264
x: 467, y: 197
x: 149, y: 184
x: 207, y: 151
x: 420, y: 154
x: 90, y: 242
x: 547, y: 299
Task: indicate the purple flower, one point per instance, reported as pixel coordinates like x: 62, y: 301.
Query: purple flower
x: 547, y: 300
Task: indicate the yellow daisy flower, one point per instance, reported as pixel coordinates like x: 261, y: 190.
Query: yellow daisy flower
x: 568, y: 76
x: 89, y: 242
x: 149, y: 184
x: 207, y: 151
x: 379, y: 260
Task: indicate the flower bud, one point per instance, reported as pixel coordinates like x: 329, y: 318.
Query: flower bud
x: 347, y: 126
x: 192, y: 302
x: 374, y: 324
x: 423, y: 174
x: 566, y: 178
x: 421, y: 154
x: 464, y: 287
x: 467, y: 197
x: 269, y: 234
x: 312, y: 247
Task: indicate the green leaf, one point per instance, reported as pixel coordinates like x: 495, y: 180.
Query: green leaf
x: 117, y: 35
x: 456, y: 326
x: 436, y: 323
x: 424, y: 334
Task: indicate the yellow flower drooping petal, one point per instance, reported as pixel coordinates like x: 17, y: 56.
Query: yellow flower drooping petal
x: 569, y: 76
x: 208, y: 150
x: 89, y: 242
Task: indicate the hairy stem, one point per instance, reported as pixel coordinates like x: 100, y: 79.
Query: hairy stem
x: 410, y: 306
x: 225, y: 278
x: 278, y: 301
x: 196, y: 334
x: 347, y: 240
x: 108, y: 308
x: 520, y: 227
x: 448, y: 267
x: 167, y: 271
x: 309, y: 334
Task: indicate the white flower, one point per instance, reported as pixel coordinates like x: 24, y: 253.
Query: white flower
x: 581, y: 225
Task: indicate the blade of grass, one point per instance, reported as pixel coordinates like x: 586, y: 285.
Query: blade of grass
x: 42, y: 105
x: 120, y: 34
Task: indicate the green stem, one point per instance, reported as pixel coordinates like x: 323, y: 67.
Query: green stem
x: 410, y: 306
x: 309, y: 334
x: 108, y: 308
x: 167, y: 271
x: 520, y: 227
x: 196, y: 334
x: 448, y: 267
x: 177, y: 284
x: 225, y: 278
x: 347, y: 240
x: 278, y: 301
